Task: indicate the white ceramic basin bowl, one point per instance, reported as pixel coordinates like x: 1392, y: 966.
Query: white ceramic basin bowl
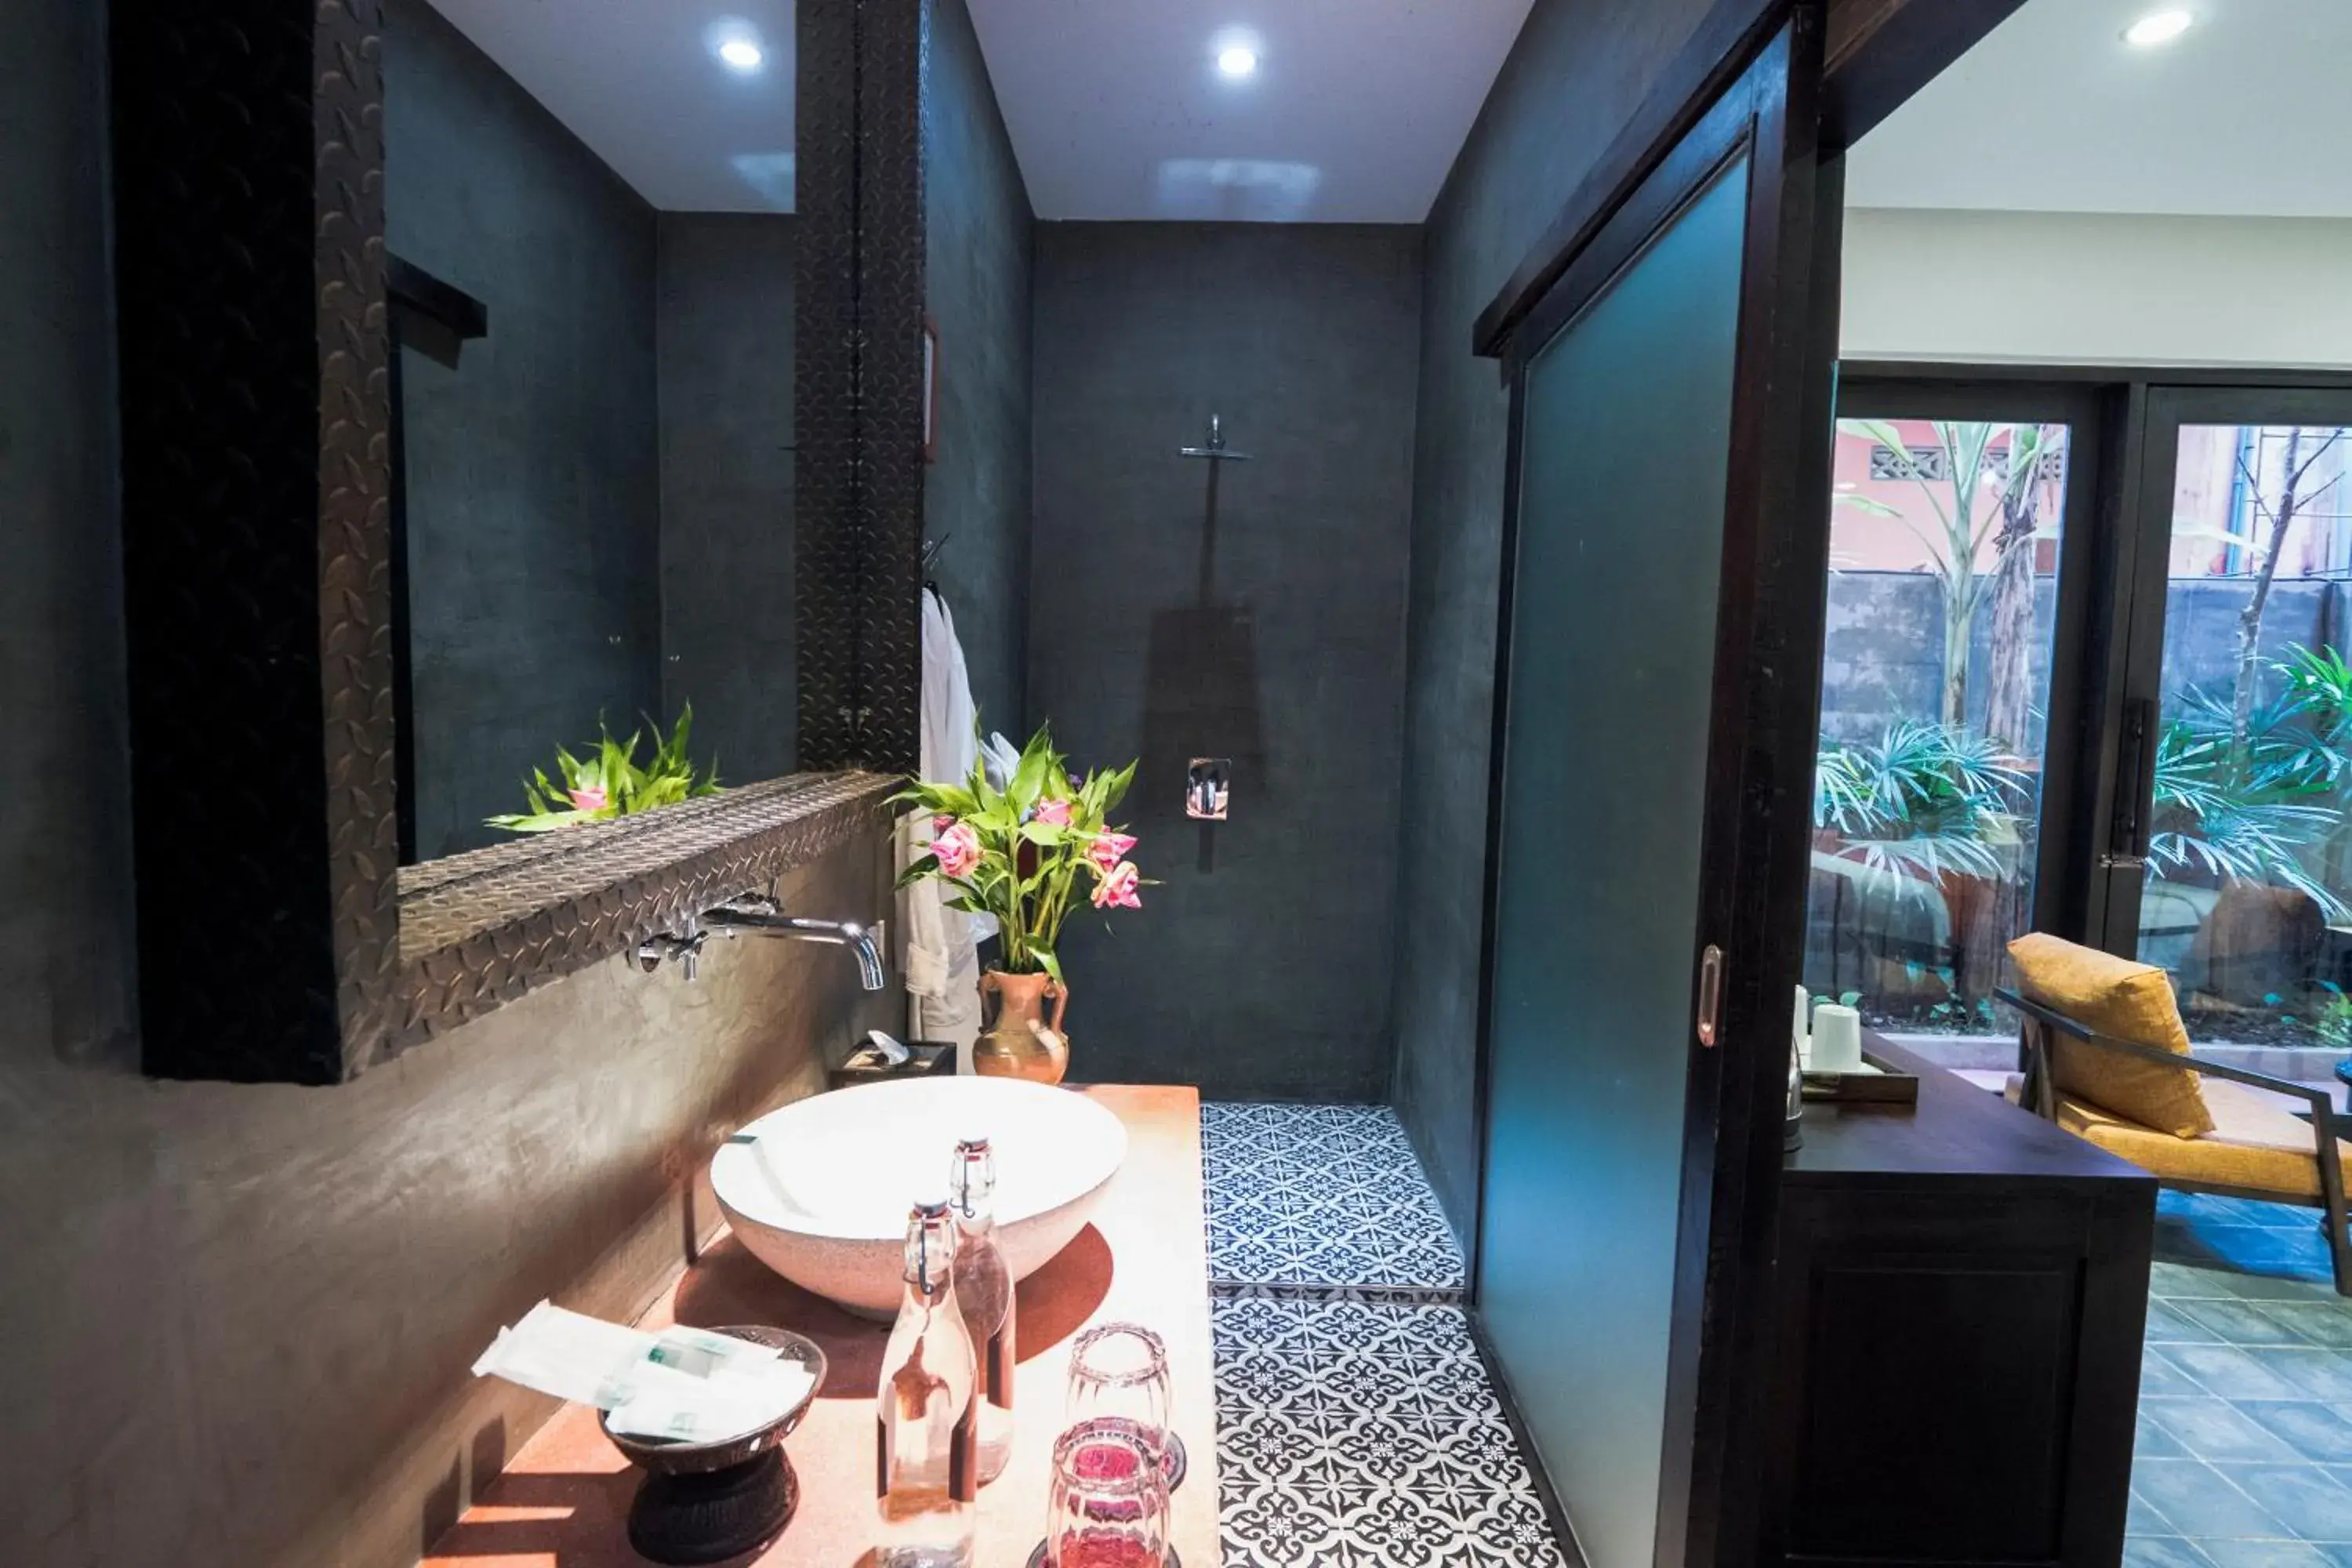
x: 819, y: 1190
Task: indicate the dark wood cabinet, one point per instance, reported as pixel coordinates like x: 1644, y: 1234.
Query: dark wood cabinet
x: 1958, y: 1304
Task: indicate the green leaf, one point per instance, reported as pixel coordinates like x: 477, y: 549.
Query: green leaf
x: 1052, y: 966
x: 1115, y: 787
x: 1870, y: 504
x: 1029, y: 779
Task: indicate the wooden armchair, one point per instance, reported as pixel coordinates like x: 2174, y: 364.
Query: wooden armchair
x: 2255, y: 1150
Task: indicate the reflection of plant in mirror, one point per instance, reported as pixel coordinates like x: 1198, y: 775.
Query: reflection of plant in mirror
x: 1925, y: 800
x: 608, y: 783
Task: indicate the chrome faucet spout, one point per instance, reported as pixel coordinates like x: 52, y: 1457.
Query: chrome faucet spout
x: 762, y: 917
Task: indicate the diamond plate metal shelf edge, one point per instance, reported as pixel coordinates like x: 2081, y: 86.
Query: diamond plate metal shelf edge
x: 478, y: 930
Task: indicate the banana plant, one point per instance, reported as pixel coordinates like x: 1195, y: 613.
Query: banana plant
x: 1985, y: 489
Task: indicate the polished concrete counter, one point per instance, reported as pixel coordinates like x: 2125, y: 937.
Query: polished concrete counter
x: 563, y: 1501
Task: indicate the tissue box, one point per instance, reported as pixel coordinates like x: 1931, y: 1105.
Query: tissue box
x: 932, y: 1058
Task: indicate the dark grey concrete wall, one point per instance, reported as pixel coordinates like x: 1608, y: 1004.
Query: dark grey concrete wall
x: 1883, y: 656
x: 977, y: 224
x: 241, y: 1317
x: 726, y: 362
x: 2201, y: 628
x: 533, y: 476
x: 1575, y: 75
x: 1273, y: 638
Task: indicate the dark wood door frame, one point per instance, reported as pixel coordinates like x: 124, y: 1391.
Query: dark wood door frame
x: 1883, y: 51
x: 1877, y: 54
x: 1765, y: 710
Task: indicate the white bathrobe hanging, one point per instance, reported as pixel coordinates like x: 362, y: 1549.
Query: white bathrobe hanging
x: 942, y: 964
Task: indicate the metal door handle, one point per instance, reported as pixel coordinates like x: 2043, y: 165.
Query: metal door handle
x: 1710, y: 991
x: 2128, y: 834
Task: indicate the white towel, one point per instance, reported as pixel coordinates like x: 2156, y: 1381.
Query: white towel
x: 941, y: 964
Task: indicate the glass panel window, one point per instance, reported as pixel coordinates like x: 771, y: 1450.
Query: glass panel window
x: 2248, y: 901
x: 1935, y: 682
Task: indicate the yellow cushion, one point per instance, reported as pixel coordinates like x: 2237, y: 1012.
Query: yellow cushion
x: 2258, y: 1145
x: 2129, y: 1001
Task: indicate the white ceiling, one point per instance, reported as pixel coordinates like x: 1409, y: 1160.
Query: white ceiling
x: 1355, y: 115
x: 2248, y: 114
x: 638, y: 81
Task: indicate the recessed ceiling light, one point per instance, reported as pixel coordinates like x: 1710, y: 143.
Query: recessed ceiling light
x: 742, y: 55
x: 2157, y: 28
x: 1235, y: 61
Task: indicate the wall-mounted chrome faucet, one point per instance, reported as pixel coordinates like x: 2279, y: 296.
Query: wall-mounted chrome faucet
x: 762, y: 915
x: 758, y: 914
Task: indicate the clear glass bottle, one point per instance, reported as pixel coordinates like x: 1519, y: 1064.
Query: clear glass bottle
x: 927, y: 1470
x: 983, y: 1286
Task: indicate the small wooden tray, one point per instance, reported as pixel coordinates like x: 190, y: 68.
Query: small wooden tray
x: 932, y: 1058
x: 1886, y: 1085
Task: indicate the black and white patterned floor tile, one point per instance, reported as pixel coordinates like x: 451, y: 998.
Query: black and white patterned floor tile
x: 1329, y: 1196
x: 1356, y: 1427
x: 1363, y: 1434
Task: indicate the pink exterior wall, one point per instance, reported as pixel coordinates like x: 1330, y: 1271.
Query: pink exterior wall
x: 1862, y: 541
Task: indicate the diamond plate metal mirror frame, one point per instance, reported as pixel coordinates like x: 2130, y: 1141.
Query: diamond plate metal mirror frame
x: 279, y: 940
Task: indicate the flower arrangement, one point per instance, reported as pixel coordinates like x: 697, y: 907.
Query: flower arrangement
x: 1022, y: 853
x: 609, y: 783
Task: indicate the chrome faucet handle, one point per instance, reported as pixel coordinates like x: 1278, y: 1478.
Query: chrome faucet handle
x: 753, y: 903
x: 685, y: 945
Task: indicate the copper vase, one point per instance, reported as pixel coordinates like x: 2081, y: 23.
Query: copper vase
x: 1019, y: 1042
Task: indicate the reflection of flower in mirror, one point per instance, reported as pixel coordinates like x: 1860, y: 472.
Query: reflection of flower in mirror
x: 609, y: 782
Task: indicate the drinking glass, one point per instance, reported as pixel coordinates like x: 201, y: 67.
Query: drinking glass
x: 1109, y: 1503
x: 1118, y: 1383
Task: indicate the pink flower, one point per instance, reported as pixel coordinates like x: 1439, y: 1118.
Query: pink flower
x: 588, y: 798
x: 1109, y: 849
x: 1117, y: 888
x: 1054, y: 813
x: 957, y: 848
x: 942, y: 823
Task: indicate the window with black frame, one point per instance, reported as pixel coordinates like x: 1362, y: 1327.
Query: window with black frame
x: 2091, y: 685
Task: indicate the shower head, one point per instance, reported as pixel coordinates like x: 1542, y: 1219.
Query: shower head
x: 1214, y: 451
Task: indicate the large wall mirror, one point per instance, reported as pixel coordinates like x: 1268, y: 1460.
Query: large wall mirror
x: 588, y: 237
x: 489, y: 387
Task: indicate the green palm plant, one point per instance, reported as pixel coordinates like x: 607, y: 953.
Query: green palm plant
x: 2255, y: 814
x: 2318, y: 699
x: 1928, y: 798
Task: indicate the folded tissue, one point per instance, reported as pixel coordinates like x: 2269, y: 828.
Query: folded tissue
x: 684, y: 1385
